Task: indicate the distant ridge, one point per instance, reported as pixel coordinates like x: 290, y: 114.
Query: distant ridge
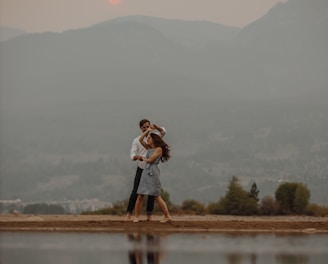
x: 7, y: 33
x: 187, y: 32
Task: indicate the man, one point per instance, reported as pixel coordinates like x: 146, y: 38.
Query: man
x: 137, y: 153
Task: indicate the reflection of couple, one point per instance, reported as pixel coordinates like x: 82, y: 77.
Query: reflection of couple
x: 148, y: 150
x: 150, y: 248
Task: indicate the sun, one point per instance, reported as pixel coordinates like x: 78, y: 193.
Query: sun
x: 114, y: 2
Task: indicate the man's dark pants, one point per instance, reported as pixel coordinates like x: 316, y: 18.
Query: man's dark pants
x: 134, y: 195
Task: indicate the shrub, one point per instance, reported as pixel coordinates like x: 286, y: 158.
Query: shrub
x: 268, y: 206
x: 193, y: 206
x: 316, y: 210
x: 216, y: 208
x: 292, y: 197
x: 285, y: 195
x: 301, y: 201
x: 42, y: 208
x: 119, y: 208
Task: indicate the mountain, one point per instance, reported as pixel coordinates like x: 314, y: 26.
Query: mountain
x: 245, y: 102
x: 282, y: 54
x: 191, y: 34
x: 101, y: 56
x: 9, y: 33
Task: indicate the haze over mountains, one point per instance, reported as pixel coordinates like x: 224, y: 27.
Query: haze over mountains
x: 7, y: 33
x: 248, y: 102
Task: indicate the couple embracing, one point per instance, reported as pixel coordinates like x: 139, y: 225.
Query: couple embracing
x: 148, y: 150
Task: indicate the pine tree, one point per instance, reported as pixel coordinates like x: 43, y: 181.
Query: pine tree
x: 254, y: 192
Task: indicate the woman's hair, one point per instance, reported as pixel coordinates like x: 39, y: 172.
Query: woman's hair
x: 159, y: 142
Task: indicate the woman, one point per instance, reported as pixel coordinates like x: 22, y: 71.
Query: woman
x: 157, y: 150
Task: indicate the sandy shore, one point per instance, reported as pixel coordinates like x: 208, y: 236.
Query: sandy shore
x: 180, y: 223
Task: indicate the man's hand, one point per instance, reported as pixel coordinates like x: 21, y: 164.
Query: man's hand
x: 137, y: 158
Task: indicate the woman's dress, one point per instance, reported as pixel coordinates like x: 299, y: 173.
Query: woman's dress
x: 149, y: 182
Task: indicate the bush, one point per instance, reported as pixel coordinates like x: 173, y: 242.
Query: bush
x: 192, y: 206
x: 216, y: 208
x: 250, y: 206
x: 301, y: 201
x: 285, y: 195
x: 292, y: 197
x: 268, y: 206
x: 316, y: 210
x: 119, y: 208
x: 42, y: 208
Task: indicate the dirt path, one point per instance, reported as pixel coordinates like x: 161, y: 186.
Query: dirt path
x: 181, y: 223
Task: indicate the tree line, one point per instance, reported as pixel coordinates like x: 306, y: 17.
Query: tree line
x: 290, y: 198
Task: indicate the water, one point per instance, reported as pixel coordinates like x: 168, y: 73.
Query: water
x: 109, y: 248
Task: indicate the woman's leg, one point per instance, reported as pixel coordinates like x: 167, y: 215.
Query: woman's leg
x: 138, y: 207
x: 150, y: 206
x: 163, y: 206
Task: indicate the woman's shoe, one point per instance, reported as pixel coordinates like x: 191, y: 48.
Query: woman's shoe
x: 135, y: 220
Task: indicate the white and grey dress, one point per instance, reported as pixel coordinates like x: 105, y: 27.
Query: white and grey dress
x: 149, y: 182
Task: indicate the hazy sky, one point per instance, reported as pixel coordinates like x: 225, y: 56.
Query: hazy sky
x: 59, y: 15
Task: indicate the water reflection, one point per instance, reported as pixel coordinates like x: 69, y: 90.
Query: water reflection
x: 140, y: 248
x: 237, y: 259
x: 230, y: 249
x: 255, y: 259
x: 145, y: 248
x: 292, y: 259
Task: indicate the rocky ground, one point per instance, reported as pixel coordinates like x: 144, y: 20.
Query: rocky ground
x: 180, y: 223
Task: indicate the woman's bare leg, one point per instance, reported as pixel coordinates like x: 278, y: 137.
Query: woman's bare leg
x: 138, y: 208
x: 163, y: 206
